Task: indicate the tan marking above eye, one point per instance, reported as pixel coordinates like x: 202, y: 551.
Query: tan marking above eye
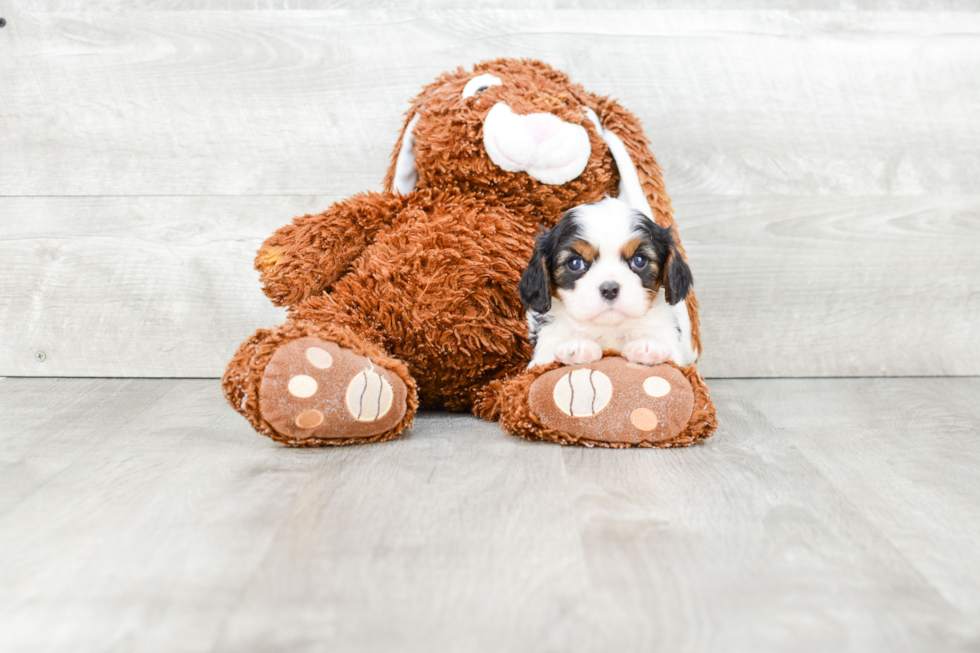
x: 586, y: 250
x: 629, y: 247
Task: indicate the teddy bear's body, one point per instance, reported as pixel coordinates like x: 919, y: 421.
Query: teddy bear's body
x: 416, y: 285
x: 421, y: 282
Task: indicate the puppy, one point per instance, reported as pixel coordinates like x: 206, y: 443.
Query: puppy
x: 607, y: 277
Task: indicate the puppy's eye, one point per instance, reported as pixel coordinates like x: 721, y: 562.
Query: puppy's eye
x: 575, y: 264
x: 639, y: 261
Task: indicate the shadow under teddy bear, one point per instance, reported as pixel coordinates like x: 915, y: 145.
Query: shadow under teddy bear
x: 408, y: 297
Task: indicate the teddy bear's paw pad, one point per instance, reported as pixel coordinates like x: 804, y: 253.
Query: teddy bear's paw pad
x: 316, y: 390
x: 369, y: 396
x: 614, y: 401
x: 582, y: 392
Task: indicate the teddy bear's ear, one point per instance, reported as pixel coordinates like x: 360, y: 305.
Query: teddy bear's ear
x: 641, y: 184
x: 630, y: 189
x: 405, y: 174
x: 402, y: 174
x: 641, y: 181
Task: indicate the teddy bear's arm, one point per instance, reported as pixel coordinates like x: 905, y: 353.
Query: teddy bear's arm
x: 306, y: 257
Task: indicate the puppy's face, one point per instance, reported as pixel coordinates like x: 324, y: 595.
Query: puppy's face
x: 606, y: 262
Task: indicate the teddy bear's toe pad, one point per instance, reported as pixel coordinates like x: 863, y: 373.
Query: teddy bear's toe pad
x: 613, y: 400
x: 314, y: 389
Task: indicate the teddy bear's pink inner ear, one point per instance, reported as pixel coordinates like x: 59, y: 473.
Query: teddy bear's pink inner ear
x: 406, y: 173
x: 630, y: 189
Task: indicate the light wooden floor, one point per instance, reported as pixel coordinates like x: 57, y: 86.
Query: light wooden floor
x: 827, y: 515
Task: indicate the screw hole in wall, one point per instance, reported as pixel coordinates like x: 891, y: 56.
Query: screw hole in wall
x: 3, y: 22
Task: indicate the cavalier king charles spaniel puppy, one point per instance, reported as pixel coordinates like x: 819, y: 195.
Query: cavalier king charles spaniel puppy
x: 606, y: 277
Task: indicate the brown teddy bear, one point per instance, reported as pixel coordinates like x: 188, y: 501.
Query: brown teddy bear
x: 408, y: 297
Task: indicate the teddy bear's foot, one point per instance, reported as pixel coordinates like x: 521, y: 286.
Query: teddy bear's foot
x: 315, y: 392
x: 614, y: 401
x: 609, y: 403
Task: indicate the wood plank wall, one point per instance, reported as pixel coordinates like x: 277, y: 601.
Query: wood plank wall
x: 825, y: 165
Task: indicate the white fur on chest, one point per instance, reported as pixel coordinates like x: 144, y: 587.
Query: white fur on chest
x: 557, y: 326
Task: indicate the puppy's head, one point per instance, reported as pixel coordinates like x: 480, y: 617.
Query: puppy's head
x: 606, y: 262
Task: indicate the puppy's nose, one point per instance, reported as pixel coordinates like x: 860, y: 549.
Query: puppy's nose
x: 609, y: 290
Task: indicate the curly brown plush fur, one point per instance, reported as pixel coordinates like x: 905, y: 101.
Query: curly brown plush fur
x: 507, y: 402
x: 425, y: 284
x: 241, y: 385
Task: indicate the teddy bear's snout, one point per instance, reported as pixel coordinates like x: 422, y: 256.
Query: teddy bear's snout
x: 541, y: 144
x: 542, y: 126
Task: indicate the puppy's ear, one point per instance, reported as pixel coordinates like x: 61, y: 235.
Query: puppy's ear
x: 675, y: 276
x: 677, y: 280
x: 535, y: 285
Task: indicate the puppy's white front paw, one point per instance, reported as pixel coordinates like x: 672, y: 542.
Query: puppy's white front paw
x: 647, y: 351
x: 578, y: 352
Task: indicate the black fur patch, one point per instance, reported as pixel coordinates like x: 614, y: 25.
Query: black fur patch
x: 550, y: 251
x: 540, y: 321
x: 672, y: 270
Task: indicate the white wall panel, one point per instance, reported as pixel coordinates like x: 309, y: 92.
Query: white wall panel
x: 823, y: 166
x: 255, y: 103
x: 164, y: 286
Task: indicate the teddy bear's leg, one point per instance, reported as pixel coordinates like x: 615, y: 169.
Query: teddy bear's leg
x: 308, y: 385
x: 609, y: 403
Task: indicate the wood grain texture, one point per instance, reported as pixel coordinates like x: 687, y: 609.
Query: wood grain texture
x: 134, y: 286
x: 831, y: 514
x: 840, y: 286
x: 823, y: 165
x: 292, y: 102
x: 164, y: 286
